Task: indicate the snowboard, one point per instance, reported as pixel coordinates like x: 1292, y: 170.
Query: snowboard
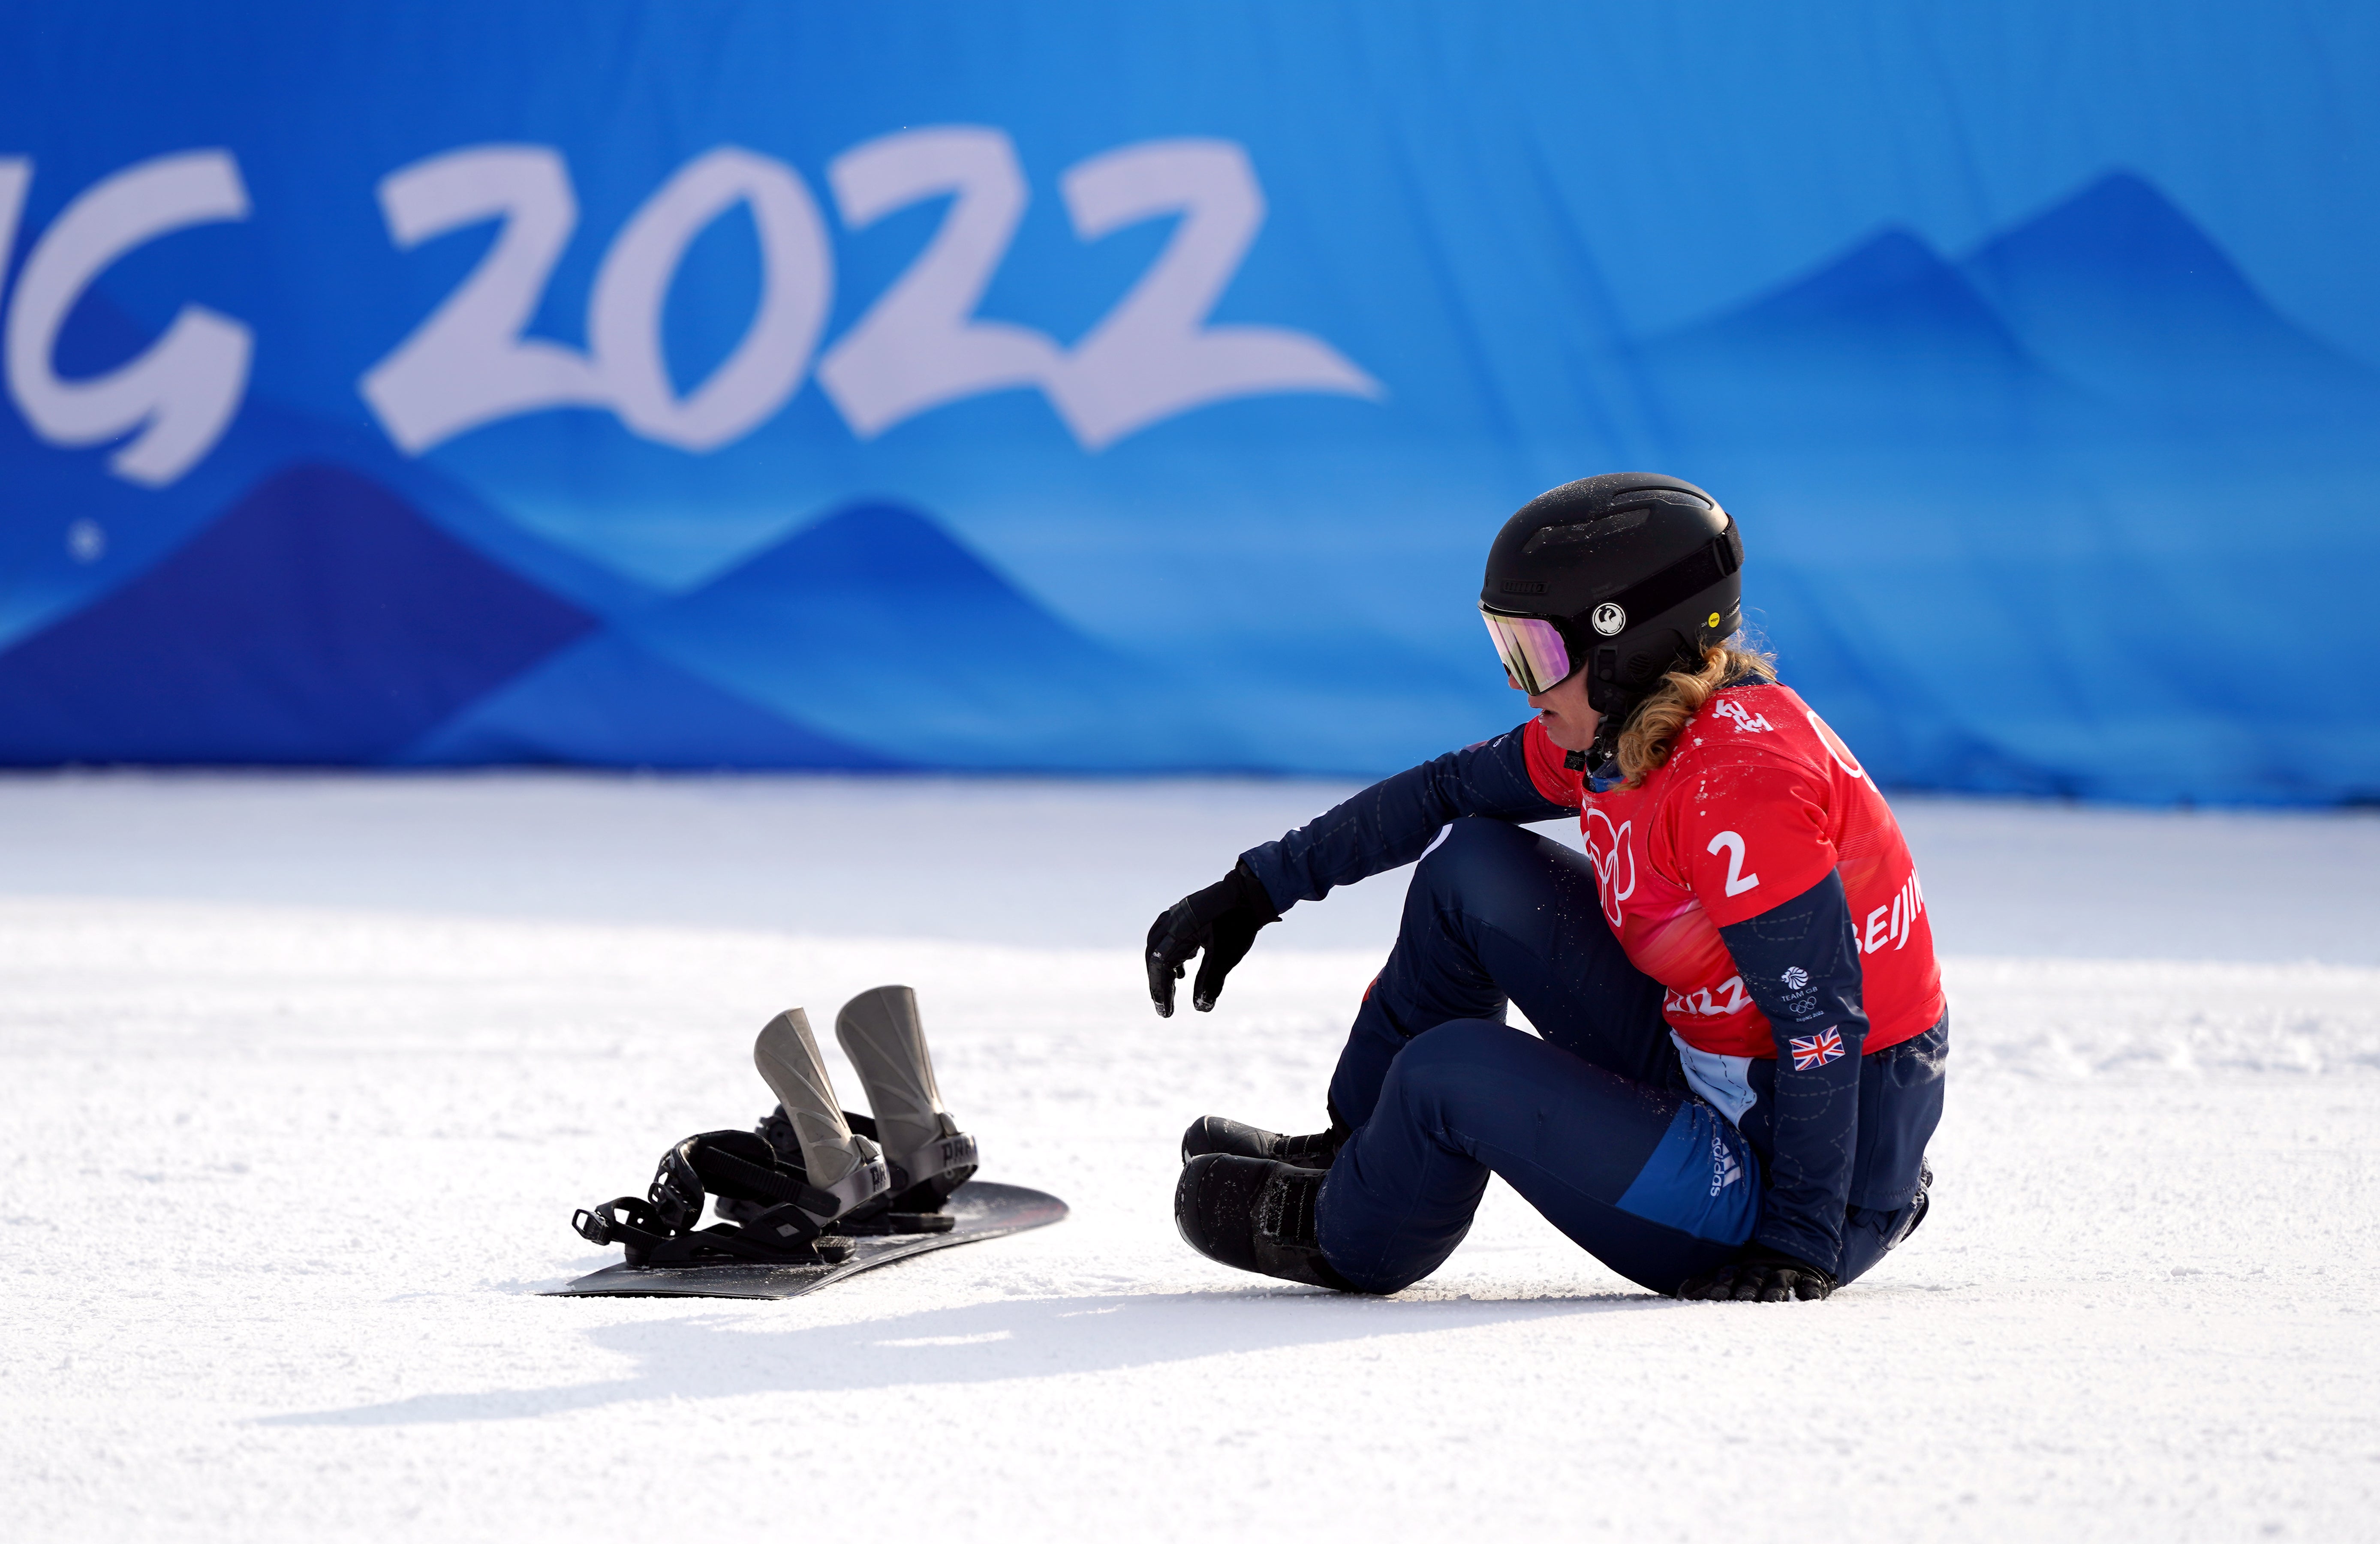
x: 978, y: 1210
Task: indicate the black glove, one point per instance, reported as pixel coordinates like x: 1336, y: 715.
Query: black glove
x: 1760, y: 1275
x: 1222, y: 919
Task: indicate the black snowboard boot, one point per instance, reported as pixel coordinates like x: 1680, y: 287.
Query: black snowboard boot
x: 1215, y: 1134
x: 1255, y: 1214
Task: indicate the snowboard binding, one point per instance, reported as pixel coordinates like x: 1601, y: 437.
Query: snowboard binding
x: 780, y: 1224
x: 812, y: 1178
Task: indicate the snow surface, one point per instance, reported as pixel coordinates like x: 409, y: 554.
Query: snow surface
x: 304, y: 1076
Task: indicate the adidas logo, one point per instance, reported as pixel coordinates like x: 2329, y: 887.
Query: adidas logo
x: 1725, y: 1170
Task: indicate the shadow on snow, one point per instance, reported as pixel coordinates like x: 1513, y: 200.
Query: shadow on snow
x: 717, y: 1356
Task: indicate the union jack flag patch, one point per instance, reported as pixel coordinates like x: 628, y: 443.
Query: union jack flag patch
x: 1816, y: 1050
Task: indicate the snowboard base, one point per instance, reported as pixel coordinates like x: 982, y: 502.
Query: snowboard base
x: 979, y: 1209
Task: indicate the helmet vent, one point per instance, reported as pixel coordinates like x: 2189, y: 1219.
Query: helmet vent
x: 1665, y: 496
x: 1580, y: 534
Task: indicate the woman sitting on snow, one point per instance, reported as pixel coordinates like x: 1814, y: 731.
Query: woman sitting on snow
x: 1743, y: 1027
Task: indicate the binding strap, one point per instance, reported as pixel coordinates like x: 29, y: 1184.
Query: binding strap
x: 740, y: 1165
x: 659, y: 1229
x: 726, y: 1172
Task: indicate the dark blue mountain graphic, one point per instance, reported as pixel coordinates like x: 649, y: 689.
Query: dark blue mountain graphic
x: 2035, y: 458
x: 47, y: 490
x: 605, y: 701
x: 2118, y: 289
x: 1887, y: 342
x: 876, y: 628
x: 1885, y: 296
x: 320, y: 620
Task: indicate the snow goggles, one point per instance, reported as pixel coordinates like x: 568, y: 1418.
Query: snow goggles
x: 1533, y: 649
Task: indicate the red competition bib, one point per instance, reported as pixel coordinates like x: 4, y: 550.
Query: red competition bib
x: 1756, y: 802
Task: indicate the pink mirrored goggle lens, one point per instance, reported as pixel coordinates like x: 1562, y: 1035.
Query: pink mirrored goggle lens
x: 1532, y: 650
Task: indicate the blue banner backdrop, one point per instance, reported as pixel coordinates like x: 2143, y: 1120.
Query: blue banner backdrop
x: 1132, y: 388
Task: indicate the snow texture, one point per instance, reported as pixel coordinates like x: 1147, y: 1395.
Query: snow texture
x: 305, y: 1075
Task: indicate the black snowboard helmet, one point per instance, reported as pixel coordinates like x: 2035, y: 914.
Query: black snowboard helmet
x: 1635, y: 572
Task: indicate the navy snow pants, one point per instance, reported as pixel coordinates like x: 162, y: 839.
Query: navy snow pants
x: 1593, y: 1124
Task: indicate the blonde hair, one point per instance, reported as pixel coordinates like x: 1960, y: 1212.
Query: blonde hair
x: 1652, y: 730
